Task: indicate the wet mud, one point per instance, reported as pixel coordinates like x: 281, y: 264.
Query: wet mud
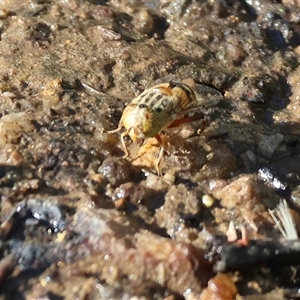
x: 80, y: 221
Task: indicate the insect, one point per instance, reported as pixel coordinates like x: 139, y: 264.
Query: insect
x: 165, y: 105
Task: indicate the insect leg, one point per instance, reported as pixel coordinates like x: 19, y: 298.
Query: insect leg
x: 123, y: 134
x: 179, y: 122
x: 161, y: 153
x: 203, y: 126
x: 115, y: 130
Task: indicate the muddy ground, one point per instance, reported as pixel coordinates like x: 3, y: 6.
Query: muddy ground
x: 81, y: 222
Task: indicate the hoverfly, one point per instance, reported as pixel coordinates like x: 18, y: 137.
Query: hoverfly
x: 162, y: 106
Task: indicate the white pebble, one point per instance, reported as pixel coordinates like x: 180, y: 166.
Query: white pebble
x: 208, y: 201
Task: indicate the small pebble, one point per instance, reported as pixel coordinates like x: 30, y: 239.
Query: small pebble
x: 268, y: 144
x: 170, y: 177
x: 208, y: 201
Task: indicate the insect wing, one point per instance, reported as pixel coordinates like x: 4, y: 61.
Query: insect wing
x: 207, y: 96
x: 164, y: 79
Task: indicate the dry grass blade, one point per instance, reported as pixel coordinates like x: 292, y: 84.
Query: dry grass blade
x: 284, y: 221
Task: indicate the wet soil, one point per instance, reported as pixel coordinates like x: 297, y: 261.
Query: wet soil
x: 79, y: 221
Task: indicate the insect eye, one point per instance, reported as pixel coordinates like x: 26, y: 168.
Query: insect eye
x: 142, y: 106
